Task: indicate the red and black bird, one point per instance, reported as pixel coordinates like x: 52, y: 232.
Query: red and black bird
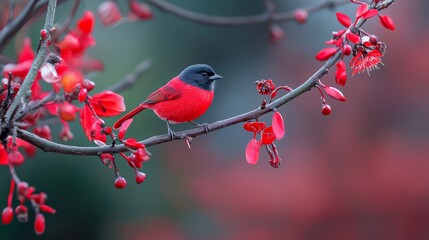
x: 183, y: 99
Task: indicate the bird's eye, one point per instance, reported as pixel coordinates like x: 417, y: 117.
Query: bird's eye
x: 204, y: 74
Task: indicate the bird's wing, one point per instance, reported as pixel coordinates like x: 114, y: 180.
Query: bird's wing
x: 165, y: 93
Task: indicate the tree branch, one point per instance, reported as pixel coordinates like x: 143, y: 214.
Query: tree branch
x: 131, y: 78
x: 37, y: 63
x: 265, y: 17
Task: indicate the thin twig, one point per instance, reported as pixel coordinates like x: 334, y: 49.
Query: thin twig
x: 130, y: 79
x: 245, y: 20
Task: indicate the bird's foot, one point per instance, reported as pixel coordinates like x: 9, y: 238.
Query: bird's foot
x: 171, y: 133
x: 205, y: 125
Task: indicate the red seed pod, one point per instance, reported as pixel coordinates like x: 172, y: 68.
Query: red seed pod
x: 278, y: 125
x: 373, y: 39
x: 354, y: 38
x: 326, y: 109
x: 120, y: 182
x: 300, y: 15
x: 252, y: 151
x: 268, y: 136
x: 47, y: 209
x: 39, y: 224
x: 7, y: 215
x: 107, y: 130
x: 140, y: 177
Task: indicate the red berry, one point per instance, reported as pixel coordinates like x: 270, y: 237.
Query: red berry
x: 120, y: 182
x: 326, y: 109
x: 140, y: 177
x: 39, y: 224
x: 300, y: 15
x: 43, y: 33
x: 7, y: 215
x: 276, y: 33
x: 346, y: 49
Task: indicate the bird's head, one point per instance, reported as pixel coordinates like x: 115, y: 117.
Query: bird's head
x: 200, y: 75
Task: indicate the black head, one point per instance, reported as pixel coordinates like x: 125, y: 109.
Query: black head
x: 200, y: 75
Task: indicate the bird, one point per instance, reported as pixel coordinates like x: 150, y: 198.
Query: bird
x: 183, y: 99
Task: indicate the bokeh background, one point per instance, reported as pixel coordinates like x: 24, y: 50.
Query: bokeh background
x: 360, y: 173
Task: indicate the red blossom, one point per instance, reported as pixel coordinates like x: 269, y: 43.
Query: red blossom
x: 343, y: 19
x: 120, y: 182
x: 107, y: 104
x: 140, y: 177
x: 366, y: 62
x: 252, y: 151
x: 86, y: 23
x: 91, y: 125
x: 265, y: 86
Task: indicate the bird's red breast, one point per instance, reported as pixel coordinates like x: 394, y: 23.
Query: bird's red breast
x: 178, y: 101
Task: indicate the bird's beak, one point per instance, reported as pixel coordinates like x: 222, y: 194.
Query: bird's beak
x: 215, y: 77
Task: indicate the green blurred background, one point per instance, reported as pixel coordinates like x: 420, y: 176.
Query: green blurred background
x: 360, y: 173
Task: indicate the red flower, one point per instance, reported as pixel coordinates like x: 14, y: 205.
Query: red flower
x: 24, y: 61
x: 268, y: 136
x: 107, y: 104
x: 366, y: 61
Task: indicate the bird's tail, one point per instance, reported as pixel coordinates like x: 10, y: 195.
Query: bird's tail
x: 127, y: 116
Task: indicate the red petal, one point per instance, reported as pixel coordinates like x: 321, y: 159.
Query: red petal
x: 124, y: 128
x: 278, y: 125
x: 268, y: 136
x: 254, y: 126
x: 252, y: 151
x: 87, y: 119
x: 353, y: 38
x: 326, y: 53
x: 387, y: 22
x: 361, y: 10
x: 27, y: 52
x: 133, y: 143
x: 370, y: 13
x: 107, y: 104
x: 335, y: 93
x: 343, y: 19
